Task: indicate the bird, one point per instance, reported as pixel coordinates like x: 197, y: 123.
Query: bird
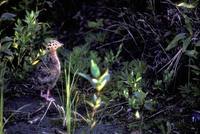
x: 47, y: 71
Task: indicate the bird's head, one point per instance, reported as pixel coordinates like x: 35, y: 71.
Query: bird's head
x: 53, y: 45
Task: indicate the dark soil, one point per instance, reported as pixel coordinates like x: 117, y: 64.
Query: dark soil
x: 24, y: 114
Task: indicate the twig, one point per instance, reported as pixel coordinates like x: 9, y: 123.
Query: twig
x: 114, y: 42
x: 46, y: 111
x: 80, y: 116
x: 112, y: 107
x: 118, y: 111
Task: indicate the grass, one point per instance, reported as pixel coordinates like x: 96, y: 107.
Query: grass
x: 70, y: 103
x: 2, y: 72
x: 1, y: 110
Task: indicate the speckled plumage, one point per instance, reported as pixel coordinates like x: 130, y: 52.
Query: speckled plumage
x: 47, y: 72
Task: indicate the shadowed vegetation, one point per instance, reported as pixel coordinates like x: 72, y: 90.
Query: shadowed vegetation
x: 126, y: 66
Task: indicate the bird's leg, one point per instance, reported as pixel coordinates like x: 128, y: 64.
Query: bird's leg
x: 47, y: 96
x: 42, y: 94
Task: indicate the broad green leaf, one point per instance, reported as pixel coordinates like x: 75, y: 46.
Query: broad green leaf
x: 191, y: 53
x: 186, y: 5
x: 186, y: 43
x: 103, y: 80
x: 194, y: 67
x: 132, y: 102
x: 140, y: 96
x: 95, y: 81
x: 92, y: 24
x: 100, y: 37
x: 149, y: 105
x: 95, y: 24
x: 85, y: 76
x: 196, y: 73
x: 3, y: 2
x: 188, y: 24
x: 15, y: 45
x: 95, y: 71
x: 42, y: 52
x: 101, y: 85
x: 137, y: 114
x: 94, y: 97
x: 197, y: 44
x: 90, y: 103
x: 97, y: 103
x: 35, y: 62
x: 138, y: 77
x: 105, y: 76
x: 126, y: 93
x: 175, y: 41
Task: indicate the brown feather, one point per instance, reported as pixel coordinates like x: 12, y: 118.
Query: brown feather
x: 46, y: 74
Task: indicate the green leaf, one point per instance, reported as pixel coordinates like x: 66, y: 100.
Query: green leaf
x: 197, y: 44
x: 97, y: 103
x: 90, y: 104
x: 137, y: 114
x: 101, y: 85
x: 126, y: 93
x: 95, y: 24
x: 132, y: 102
x: 140, y: 96
x: 188, y: 24
x: 95, y: 81
x: 149, y: 105
x: 196, y: 73
x: 103, y: 80
x: 175, y: 41
x: 186, y: 5
x: 95, y: 71
x: 3, y: 2
x: 191, y: 53
x: 194, y: 67
x: 94, y: 97
x: 85, y: 76
x: 105, y: 76
x: 186, y: 43
x: 138, y: 77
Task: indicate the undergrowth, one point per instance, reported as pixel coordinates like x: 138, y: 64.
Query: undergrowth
x: 2, y: 87
x: 21, y: 49
x: 152, y: 53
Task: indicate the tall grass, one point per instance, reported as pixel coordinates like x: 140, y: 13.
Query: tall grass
x: 2, y: 72
x: 70, y: 103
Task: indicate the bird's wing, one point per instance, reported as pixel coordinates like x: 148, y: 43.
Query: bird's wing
x: 44, y: 74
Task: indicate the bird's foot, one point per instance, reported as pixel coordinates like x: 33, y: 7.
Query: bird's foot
x: 50, y: 99
x: 47, y: 97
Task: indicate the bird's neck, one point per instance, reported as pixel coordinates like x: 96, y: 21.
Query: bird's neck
x: 54, y: 59
x: 53, y: 53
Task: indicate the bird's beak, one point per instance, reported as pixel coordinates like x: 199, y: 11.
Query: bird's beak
x: 61, y: 44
